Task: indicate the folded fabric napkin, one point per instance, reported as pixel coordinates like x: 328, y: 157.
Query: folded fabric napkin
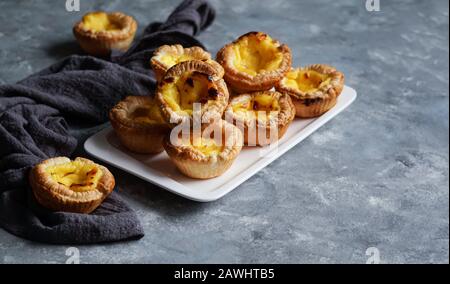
x: 37, y: 113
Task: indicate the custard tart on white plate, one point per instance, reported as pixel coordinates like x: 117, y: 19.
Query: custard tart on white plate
x: 79, y: 185
x: 167, y: 56
x: 263, y: 116
x: 189, y: 83
x: 254, y: 62
x: 207, y: 155
x: 314, y: 89
x: 98, y: 33
x: 139, y: 125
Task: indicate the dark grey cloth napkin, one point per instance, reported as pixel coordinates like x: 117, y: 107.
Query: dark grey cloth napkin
x: 37, y: 113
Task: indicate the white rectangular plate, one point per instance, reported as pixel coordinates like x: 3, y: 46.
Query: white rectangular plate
x: 159, y: 170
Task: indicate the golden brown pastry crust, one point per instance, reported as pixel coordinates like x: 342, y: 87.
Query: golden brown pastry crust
x: 136, y: 136
x: 193, y: 163
x: 101, y: 43
x: 242, y: 82
x: 317, y: 102
x: 57, y: 197
x: 217, y: 92
x: 194, y: 53
x: 281, y: 120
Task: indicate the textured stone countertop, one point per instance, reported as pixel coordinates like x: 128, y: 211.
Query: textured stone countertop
x: 376, y: 176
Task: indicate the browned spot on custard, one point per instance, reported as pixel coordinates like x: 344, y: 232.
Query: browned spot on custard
x: 212, y: 92
x: 169, y: 80
x: 190, y: 82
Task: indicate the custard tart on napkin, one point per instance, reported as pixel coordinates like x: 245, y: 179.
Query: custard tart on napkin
x: 208, y: 155
x: 98, y: 33
x: 79, y: 186
x: 139, y: 125
x: 254, y: 62
x: 189, y: 83
x: 314, y: 89
x: 263, y: 116
x: 167, y: 56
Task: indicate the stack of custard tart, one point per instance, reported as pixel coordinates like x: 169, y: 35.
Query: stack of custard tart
x: 249, y: 95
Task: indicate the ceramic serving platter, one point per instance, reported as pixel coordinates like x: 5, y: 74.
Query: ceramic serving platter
x: 159, y: 170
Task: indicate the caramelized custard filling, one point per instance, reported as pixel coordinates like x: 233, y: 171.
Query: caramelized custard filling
x: 207, y: 146
x: 76, y: 175
x: 100, y: 21
x: 306, y: 80
x: 183, y: 92
x: 262, y: 106
x: 255, y: 54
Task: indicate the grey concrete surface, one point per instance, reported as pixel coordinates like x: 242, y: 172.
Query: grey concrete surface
x: 376, y: 176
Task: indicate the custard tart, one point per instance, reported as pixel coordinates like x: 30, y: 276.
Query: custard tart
x: 254, y: 62
x: 314, y: 89
x: 191, y: 84
x: 79, y: 186
x: 98, y: 33
x: 167, y: 56
x: 138, y: 124
x: 263, y: 116
x: 208, y: 154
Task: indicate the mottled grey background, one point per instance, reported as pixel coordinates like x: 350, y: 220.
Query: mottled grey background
x: 377, y: 175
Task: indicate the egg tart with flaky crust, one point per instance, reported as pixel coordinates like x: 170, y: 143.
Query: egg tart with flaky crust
x: 314, y: 89
x: 207, y: 155
x: 188, y: 83
x: 138, y: 123
x: 167, y: 56
x: 263, y: 116
x: 98, y: 33
x: 79, y: 186
x: 254, y: 62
